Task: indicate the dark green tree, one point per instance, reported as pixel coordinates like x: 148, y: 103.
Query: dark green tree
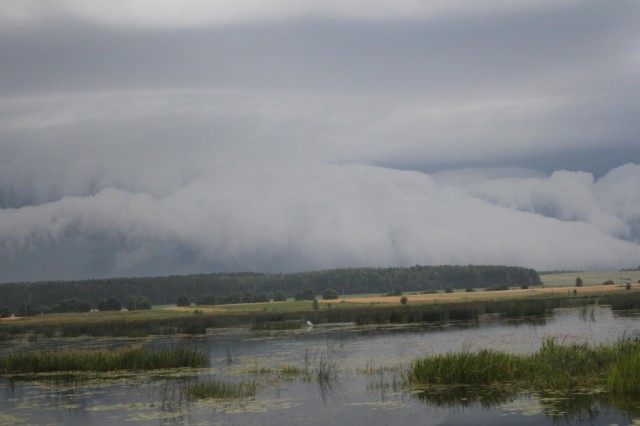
x: 279, y: 296
x: 111, y: 303
x: 307, y: 294
x: 72, y: 305
x: 260, y: 298
x: 578, y: 282
x: 5, y: 312
x: 208, y: 299
x: 397, y: 291
x: 330, y: 294
x: 25, y: 310
x: 137, y: 303
x: 183, y: 301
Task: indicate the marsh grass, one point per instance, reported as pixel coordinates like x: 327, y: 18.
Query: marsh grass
x: 624, y: 375
x: 220, y: 389
x: 554, y: 367
x: 326, y: 370
x: 101, y: 361
x: 285, y: 315
x: 277, y: 325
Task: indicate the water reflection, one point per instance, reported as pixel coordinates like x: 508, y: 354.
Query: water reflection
x: 466, y: 396
x: 338, y: 374
x: 561, y: 408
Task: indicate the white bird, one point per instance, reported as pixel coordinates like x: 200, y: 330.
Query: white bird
x: 309, y: 323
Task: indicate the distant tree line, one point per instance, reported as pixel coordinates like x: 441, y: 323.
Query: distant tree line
x: 26, y: 309
x: 220, y: 288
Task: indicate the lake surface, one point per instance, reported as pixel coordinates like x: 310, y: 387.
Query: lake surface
x: 352, y: 376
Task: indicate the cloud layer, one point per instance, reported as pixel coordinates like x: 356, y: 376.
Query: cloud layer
x: 142, y: 137
x: 315, y: 216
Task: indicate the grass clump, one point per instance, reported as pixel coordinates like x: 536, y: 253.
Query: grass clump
x: 624, y: 375
x: 484, y: 367
x: 554, y: 367
x: 220, y: 389
x: 101, y: 361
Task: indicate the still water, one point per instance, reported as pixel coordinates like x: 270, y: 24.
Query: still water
x: 353, y: 377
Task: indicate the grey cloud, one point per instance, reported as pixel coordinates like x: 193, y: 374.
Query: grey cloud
x: 157, y: 142
x: 571, y: 47
x: 299, y: 138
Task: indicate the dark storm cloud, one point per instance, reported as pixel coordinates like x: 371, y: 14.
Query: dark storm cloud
x: 560, y: 49
x: 152, y: 137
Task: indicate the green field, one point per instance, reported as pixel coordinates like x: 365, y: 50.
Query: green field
x: 568, y: 279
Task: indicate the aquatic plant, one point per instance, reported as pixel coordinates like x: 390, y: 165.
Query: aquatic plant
x: 216, y: 388
x: 554, y: 367
x: 277, y: 325
x: 624, y: 374
x: 326, y: 371
x: 484, y: 367
x: 101, y: 361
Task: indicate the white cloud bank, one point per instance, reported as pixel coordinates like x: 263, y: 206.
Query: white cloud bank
x: 321, y: 216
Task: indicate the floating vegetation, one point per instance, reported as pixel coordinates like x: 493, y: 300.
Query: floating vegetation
x: 220, y: 389
x: 554, y: 367
x: 381, y: 405
x: 101, y: 360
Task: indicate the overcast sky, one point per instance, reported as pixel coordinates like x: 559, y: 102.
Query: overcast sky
x: 152, y: 137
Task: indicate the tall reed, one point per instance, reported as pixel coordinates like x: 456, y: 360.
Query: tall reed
x: 624, y: 375
x: 553, y: 367
x: 101, y: 361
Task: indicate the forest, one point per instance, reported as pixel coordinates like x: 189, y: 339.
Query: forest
x: 249, y: 286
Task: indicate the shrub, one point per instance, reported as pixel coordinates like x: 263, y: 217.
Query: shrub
x: 183, y: 301
x: 138, y: 304
x: 608, y: 282
x: 109, y: 304
x: 308, y: 294
x: 330, y: 294
x: 404, y: 300
x: 208, y: 299
x: 578, y: 282
x: 397, y: 291
x: 279, y: 297
x: 72, y: 305
x: 448, y: 290
x: 497, y: 288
